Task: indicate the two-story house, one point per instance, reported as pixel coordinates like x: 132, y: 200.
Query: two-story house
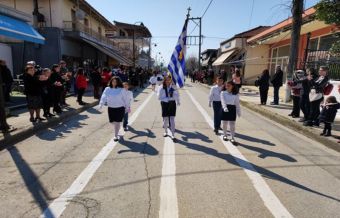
x: 74, y: 31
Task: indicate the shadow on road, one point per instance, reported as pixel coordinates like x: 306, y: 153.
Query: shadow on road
x: 31, y: 180
x: 138, y: 133
x: 263, y: 153
x: 253, y: 139
x: 252, y: 167
x: 193, y: 135
x: 142, y: 148
x: 58, y: 131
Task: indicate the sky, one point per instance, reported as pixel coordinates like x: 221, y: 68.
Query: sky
x: 224, y: 19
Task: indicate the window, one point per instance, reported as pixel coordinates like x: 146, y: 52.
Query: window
x: 313, y: 44
x: 326, y: 42
x: 121, y: 33
x: 283, y: 51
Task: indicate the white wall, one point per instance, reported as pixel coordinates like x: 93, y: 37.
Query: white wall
x: 6, y: 55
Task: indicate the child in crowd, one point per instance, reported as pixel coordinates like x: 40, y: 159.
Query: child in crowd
x: 231, y: 107
x: 81, y: 82
x: 153, y: 81
x: 328, y: 114
x: 130, y: 98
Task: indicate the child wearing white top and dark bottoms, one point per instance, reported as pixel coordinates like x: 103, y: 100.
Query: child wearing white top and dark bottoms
x: 126, y: 116
x: 231, y: 107
x: 215, y: 103
x: 118, y: 102
x: 169, y: 97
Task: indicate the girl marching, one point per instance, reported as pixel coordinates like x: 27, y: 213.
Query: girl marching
x: 231, y: 107
x: 118, y: 102
x: 169, y: 98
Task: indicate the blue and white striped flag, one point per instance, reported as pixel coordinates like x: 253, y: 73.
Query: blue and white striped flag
x: 177, y: 62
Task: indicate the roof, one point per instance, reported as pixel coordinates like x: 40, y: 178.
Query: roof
x: 140, y: 30
x: 93, y: 10
x: 283, y: 24
x: 209, y: 50
x: 248, y: 33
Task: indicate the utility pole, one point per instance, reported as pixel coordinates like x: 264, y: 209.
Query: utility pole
x: 198, y: 22
x: 297, y: 11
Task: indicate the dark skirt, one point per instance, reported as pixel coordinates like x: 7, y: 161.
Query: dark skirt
x: 231, y: 114
x: 34, y: 102
x: 116, y: 114
x: 168, y: 109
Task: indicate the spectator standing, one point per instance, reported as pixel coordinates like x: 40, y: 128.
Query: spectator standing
x: 96, y: 78
x: 317, y: 86
x: 263, y: 83
x: 236, y: 78
x: 106, y: 77
x: 58, y: 88
x: 81, y: 82
x: 7, y: 80
x: 47, y: 93
x: 33, y: 92
x: 277, y: 81
x: 66, y: 77
x: 296, y: 87
x: 328, y: 114
x: 304, y: 94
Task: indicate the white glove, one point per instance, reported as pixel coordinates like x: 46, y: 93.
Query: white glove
x: 209, y: 103
x: 225, y: 110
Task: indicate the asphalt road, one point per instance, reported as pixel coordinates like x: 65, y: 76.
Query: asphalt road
x: 76, y: 170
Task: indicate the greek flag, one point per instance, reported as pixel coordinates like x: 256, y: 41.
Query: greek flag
x: 177, y: 62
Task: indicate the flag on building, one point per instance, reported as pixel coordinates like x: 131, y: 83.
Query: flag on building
x: 177, y: 61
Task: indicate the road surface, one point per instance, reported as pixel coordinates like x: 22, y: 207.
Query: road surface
x: 76, y: 170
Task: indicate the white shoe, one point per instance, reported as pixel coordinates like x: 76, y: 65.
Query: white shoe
x: 116, y: 139
x: 165, y: 134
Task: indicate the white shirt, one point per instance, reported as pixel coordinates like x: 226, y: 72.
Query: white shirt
x: 153, y: 80
x: 115, y: 98
x: 215, y: 93
x: 130, y: 97
x: 228, y: 98
x: 162, y: 94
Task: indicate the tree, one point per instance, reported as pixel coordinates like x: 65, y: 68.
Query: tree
x: 329, y: 12
x: 192, y: 63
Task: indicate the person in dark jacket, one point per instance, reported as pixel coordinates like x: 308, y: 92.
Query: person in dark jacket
x: 277, y: 81
x: 33, y: 91
x: 328, y: 114
x: 66, y: 75
x: 47, y: 93
x: 316, y: 96
x: 7, y: 80
x: 304, y: 94
x: 263, y: 83
x: 296, y: 88
x: 58, y: 88
x: 96, y: 78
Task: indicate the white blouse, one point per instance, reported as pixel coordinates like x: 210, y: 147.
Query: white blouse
x: 115, y: 98
x: 228, y: 98
x: 162, y: 94
x: 215, y: 93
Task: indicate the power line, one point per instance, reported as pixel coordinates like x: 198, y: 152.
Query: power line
x: 251, y: 13
x: 206, y: 9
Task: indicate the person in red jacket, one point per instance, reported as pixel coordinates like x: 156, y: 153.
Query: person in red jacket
x: 106, y: 77
x: 81, y: 82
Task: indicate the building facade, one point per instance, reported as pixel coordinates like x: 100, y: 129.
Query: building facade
x: 74, y: 31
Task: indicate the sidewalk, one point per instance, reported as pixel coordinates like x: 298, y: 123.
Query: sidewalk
x: 19, y: 120
x: 250, y: 98
x: 279, y: 113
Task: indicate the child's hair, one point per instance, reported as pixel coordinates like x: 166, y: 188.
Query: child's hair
x: 331, y: 99
x: 234, y: 91
x: 125, y: 83
x: 80, y: 71
x: 118, y: 82
x: 46, y: 70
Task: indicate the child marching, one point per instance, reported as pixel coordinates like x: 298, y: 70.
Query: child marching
x: 231, y: 107
x: 215, y: 102
x: 118, y: 102
x: 169, y: 98
x: 130, y: 97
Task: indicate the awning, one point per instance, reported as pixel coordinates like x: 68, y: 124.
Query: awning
x: 221, y: 59
x: 113, y: 54
x: 17, y: 29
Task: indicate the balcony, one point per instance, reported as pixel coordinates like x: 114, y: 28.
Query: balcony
x: 77, y: 29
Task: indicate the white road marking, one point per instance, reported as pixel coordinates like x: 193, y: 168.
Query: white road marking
x: 57, y: 207
x: 270, y: 200
x: 168, y: 194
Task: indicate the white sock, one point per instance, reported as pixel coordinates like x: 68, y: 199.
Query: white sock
x: 232, y: 129
x: 225, y: 127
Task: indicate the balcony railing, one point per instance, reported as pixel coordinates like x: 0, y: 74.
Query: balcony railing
x: 89, y: 33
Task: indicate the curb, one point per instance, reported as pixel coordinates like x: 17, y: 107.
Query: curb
x: 306, y: 131
x: 20, y: 135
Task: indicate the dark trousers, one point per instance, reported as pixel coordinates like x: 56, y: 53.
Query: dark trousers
x: 328, y: 128
x: 314, y: 112
x: 217, y: 107
x: 305, y: 105
x: 56, y: 100
x: 296, y: 106
x: 80, y: 95
x: 264, y: 95
x: 96, y: 91
x: 125, y: 120
x: 276, y: 94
